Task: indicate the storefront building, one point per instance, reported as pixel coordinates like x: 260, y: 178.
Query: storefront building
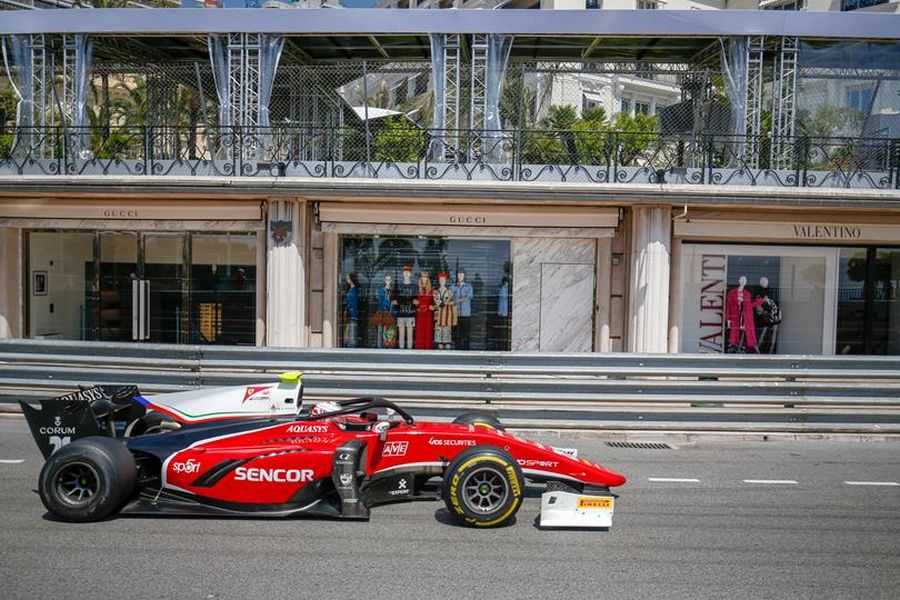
x: 522, y: 278
x: 408, y: 181
x: 786, y: 283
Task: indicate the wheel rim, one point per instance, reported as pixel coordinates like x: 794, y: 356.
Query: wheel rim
x: 485, y: 490
x: 77, y: 483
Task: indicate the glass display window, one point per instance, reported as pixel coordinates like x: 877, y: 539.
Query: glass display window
x: 868, y: 319
x: 160, y: 287
x: 425, y: 293
x: 758, y: 299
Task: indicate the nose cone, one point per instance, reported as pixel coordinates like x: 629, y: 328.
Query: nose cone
x: 609, y: 477
x: 615, y: 479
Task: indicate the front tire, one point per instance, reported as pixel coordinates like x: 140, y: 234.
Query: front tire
x: 88, y: 479
x: 483, y: 487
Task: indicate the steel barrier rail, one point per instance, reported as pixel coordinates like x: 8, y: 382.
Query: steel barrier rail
x: 704, y: 387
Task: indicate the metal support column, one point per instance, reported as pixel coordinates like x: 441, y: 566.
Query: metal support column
x: 244, y: 82
x: 755, y: 68
x: 785, y: 97
x: 477, y: 94
x: 452, y: 92
x: 42, y: 115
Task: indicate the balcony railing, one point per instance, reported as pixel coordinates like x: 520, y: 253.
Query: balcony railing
x: 576, y: 156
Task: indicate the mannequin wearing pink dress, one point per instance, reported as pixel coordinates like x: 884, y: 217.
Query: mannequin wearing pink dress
x: 739, y: 316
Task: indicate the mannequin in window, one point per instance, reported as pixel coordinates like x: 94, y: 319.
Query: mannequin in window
x: 445, y: 313
x: 425, y: 313
x: 404, y: 302
x: 351, y: 306
x: 384, y: 319
x: 768, y: 317
x: 739, y: 319
x: 462, y: 296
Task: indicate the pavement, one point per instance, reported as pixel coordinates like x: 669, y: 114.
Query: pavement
x: 709, y: 518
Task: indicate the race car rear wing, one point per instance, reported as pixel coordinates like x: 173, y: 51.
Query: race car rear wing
x: 98, y: 410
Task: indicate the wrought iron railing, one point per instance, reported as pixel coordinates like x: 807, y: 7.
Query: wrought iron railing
x: 408, y: 152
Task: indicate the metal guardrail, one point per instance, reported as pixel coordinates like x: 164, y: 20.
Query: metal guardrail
x: 573, y: 387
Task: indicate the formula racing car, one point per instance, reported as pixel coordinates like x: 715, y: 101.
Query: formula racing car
x: 257, y: 450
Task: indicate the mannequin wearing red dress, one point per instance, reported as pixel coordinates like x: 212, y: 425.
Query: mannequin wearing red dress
x: 739, y: 316
x: 424, y: 313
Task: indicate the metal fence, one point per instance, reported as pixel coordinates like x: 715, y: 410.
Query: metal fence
x: 412, y: 153
x: 745, y: 391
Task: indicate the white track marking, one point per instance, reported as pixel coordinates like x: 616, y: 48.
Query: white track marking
x: 891, y: 483
x: 673, y: 479
x: 772, y: 481
x: 11, y: 461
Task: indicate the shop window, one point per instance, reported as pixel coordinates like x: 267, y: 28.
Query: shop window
x: 757, y: 299
x: 860, y: 98
x: 390, y: 293
x: 63, y: 290
x: 868, y: 314
x: 142, y: 286
x: 223, y: 289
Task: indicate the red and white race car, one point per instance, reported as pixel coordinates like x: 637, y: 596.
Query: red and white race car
x: 252, y: 450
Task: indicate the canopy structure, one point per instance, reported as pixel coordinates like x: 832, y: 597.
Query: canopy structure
x: 665, y: 35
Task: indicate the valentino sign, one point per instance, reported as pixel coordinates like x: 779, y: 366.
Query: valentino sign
x: 828, y: 232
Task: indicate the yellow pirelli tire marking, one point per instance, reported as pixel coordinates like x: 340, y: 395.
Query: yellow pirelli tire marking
x: 514, y: 489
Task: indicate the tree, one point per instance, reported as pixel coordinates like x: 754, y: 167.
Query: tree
x: 398, y: 140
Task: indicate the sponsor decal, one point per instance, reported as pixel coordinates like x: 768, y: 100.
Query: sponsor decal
x: 401, y: 490
x: 308, y: 429
x: 59, y: 441
x: 57, y: 428
x: 346, y: 479
x: 257, y: 392
x: 450, y: 442
x: 90, y: 395
x: 537, y: 463
x: 189, y: 466
x: 595, y: 503
x: 277, y: 475
x: 570, y: 452
x: 395, y: 449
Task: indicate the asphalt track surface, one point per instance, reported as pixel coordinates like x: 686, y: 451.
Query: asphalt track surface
x: 717, y: 537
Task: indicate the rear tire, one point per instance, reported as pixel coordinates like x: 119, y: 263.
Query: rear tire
x: 88, y: 479
x: 483, y: 487
x: 483, y: 419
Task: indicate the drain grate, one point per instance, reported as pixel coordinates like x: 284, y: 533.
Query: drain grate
x: 640, y: 445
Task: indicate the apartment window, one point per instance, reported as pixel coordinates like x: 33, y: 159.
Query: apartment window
x: 625, y: 106
x: 854, y: 4
x: 643, y: 70
x: 642, y: 108
x: 783, y: 5
x: 860, y: 98
x: 589, y: 101
x: 589, y: 4
x: 648, y: 4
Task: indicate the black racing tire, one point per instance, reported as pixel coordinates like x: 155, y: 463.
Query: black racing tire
x: 477, y: 417
x: 88, y: 479
x: 483, y: 487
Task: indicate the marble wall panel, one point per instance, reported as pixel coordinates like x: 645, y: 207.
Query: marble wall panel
x: 529, y: 258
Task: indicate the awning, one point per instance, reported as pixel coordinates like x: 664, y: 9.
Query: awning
x: 374, y: 112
